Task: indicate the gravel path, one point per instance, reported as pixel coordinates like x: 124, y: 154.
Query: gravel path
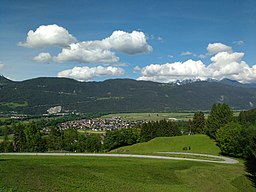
x: 226, y: 160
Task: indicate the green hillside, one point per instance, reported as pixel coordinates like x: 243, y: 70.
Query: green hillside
x: 197, y: 143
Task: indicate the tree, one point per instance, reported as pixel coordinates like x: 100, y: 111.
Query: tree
x: 93, y: 143
x: 19, y: 138
x: 82, y: 143
x: 198, y: 123
x: 70, y: 139
x: 247, y: 116
x: 34, y: 141
x: 28, y: 138
x: 54, y: 140
x: 112, y: 140
x: 5, y: 132
x: 253, y: 146
x: 148, y: 131
x: 220, y: 115
x: 242, y: 117
x: 161, y: 128
x: 249, y: 135
x: 6, y: 146
x: 118, y: 138
x: 230, y: 139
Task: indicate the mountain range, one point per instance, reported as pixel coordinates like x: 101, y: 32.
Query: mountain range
x: 36, y: 96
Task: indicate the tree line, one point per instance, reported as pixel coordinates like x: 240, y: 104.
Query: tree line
x: 236, y: 136
x: 29, y: 138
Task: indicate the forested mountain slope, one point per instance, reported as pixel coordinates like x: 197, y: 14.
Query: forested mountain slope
x: 35, y: 96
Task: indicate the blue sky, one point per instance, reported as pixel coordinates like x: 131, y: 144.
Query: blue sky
x: 153, y: 40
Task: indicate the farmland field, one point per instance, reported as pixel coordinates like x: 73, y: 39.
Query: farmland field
x: 184, y: 116
x: 92, y: 132
x: 152, y: 116
x: 13, y: 105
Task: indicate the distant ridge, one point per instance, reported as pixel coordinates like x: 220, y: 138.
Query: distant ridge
x: 237, y: 84
x: 4, y: 80
x: 121, y: 95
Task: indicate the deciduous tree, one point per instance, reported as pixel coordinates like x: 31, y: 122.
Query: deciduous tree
x: 198, y: 123
x: 220, y: 115
x: 230, y: 139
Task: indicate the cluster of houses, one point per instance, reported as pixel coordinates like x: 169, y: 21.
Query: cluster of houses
x: 99, y: 124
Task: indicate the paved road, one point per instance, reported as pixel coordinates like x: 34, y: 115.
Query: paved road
x: 226, y: 160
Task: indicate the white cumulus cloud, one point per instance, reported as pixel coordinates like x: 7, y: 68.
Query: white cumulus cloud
x: 129, y: 43
x: 239, y: 43
x: 214, y: 48
x: 47, y: 36
x: 43, y: 58
x: 170, y: 72
x: 136, y: 68
x: 97, y: 51
x: 88, y: 73
x: 160, y: 39
x: 186, y: 53
x: 223, y: 65
x: 86, y: 52
x: 102, y: 51
x: 231, y: 65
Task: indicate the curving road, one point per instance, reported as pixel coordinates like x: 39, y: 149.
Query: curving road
x: 226, y: 160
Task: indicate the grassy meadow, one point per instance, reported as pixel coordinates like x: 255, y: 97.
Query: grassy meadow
x: 70, y: 173
x: 48, y: 173
x: 197, y: 143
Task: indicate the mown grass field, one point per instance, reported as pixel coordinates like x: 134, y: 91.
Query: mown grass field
x: 70, y: 173
x: 42, y: 173
x: 197, y: 143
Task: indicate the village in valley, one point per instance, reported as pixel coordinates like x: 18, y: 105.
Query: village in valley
x: 100, y: 124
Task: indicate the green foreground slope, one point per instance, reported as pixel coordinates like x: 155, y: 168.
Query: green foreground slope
x: 66, y: 173
x: 197, y: 143
x: 42, y: 173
